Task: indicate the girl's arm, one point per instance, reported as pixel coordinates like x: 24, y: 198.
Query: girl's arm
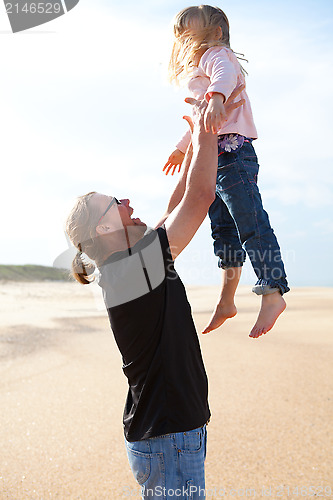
x: 184, y: 142
x: 177, y: 156
x: 215, y: 114
x: 223, y: 79
x: 179, y: 190
x: 222, y: 72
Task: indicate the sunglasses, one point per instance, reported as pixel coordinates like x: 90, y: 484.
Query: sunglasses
x: 112, y: 202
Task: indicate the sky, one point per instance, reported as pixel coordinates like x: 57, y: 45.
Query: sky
x: 86, y: 106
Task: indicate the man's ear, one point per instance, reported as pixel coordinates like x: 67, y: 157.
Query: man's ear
x: 102, y: 229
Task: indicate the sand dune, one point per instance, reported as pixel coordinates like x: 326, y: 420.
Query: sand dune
x: 62, y: 394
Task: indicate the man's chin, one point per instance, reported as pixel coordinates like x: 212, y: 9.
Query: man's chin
x: 139, y: 226
x: 138, y: 222
x: 143, y: 227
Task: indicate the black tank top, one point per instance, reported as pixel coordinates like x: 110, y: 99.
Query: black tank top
x: 152, y: 323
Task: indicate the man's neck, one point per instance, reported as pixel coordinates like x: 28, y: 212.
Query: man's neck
x: 124, y: 240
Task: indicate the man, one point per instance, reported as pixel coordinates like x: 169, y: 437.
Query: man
x: 167, y: 409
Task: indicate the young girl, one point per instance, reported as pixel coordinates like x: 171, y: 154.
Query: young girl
x: 202, y: 54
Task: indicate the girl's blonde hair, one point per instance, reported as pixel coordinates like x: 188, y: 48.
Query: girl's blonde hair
x: 195, y: 31
x: 81, y: 229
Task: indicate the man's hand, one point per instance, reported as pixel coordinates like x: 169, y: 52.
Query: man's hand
x: 175, y: 160
x: 230, y: 105
x: 200, y: 108
x: 198, y: 114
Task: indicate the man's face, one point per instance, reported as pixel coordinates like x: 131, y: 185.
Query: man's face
x: 117, y: 216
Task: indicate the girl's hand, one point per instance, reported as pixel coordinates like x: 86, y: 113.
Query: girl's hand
x: 175, y: 160
x: 215, y: 113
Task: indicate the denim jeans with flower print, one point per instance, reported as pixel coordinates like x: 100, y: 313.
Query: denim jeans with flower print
x: 170, y: 466
x: 239, y: 222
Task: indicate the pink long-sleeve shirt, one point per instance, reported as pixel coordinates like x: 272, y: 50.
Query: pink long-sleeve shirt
x: 220, y: 71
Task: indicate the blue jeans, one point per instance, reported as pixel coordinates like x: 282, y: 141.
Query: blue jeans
x: 239, y: 221
x: 170, y: 466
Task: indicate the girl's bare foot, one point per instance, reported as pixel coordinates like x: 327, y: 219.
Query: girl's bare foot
x: 272, y: 306
x: 222, y: 312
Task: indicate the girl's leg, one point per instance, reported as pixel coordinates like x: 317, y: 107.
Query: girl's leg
x: 225, y: 307
x: 236, y: 185
x: 231, y: 257
x: 227, y: 246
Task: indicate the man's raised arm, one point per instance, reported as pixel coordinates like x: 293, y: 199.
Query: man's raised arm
x: 199, y: 185
x: 195, y: 191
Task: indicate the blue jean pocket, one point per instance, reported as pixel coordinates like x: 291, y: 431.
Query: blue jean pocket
x: 192, y: 441
x: 140, y: 465
x: 192, y: 453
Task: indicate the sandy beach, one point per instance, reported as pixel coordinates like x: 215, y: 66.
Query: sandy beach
x: 62, y: 394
